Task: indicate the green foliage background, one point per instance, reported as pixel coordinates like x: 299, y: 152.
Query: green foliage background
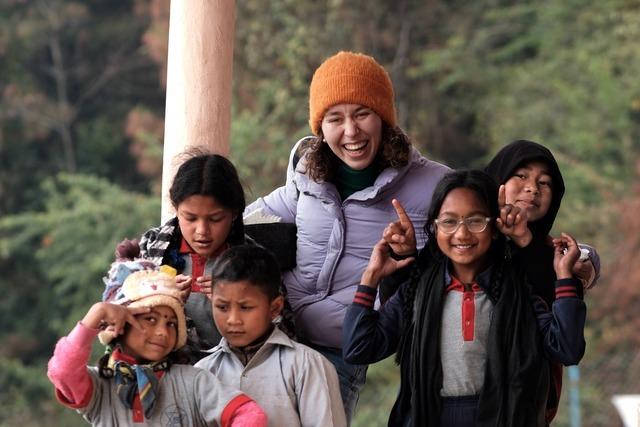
x: 81, y: 106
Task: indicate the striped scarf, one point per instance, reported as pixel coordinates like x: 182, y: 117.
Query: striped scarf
x: 133, y: 379
x: 155, y: 242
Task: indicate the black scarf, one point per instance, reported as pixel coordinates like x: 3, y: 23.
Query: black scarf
x: 516, y: 378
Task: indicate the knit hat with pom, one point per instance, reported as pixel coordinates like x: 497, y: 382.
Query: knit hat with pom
x: 350, y: 78
x: 152, y: 289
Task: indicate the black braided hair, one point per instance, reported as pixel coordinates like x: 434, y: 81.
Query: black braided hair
x: 486, y: 190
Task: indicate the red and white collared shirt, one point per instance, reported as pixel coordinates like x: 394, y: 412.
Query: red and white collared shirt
x: 466, y: 317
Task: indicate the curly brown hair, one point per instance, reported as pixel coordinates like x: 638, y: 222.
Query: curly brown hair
x: 322, y: 163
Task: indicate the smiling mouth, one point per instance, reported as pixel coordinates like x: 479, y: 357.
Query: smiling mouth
x: 463, y: 247
x: 157, y: 345
x: 355, y: 146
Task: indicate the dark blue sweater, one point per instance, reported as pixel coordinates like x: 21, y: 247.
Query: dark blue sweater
x: 370, y: 336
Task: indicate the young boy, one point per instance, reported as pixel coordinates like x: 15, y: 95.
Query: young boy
x: 294, y: 384
x: 533, y: 182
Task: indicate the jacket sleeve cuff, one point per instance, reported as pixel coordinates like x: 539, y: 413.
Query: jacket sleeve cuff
x: 365, y: 296
x: 567, y: 288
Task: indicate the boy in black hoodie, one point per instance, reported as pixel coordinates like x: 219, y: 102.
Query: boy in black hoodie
x: 533, y: 182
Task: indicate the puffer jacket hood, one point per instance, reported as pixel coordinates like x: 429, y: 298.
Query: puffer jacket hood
x: 515, y: 155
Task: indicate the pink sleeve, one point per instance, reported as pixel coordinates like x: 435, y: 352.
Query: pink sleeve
x: 67, y: 368
x: 247, y: 414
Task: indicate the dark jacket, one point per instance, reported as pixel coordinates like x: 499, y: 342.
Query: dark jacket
x: 370, y: 336
x: 537, y: 257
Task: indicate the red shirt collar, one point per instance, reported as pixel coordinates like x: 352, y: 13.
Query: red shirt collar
x: 457, y: 285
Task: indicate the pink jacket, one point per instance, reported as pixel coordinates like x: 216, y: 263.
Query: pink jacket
x: 74, y: 387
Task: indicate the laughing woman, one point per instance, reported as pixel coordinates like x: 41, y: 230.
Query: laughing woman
x: 338, y: 192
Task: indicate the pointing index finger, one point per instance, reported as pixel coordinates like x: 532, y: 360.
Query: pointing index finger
x: 502, y: 197
x: 402, y: 214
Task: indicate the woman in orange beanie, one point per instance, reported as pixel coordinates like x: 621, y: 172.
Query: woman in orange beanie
x: 338, y: 192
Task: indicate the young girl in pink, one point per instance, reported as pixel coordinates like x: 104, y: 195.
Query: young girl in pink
x: 140, y: 380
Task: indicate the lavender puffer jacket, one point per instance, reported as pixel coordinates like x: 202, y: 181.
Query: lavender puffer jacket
x: 335, y: 238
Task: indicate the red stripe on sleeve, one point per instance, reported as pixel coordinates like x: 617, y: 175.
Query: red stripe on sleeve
x: 365, y: 296
x: 566, y: 295
x: 565, y: 289
x: 364, y: 302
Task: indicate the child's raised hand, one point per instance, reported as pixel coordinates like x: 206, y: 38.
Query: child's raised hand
x: 512, y: 221
x: 205, y: 284
x: 381, y: 264
x: 400, y: 235
x: 566, y: 253
x: 113, y: 317
x: 183, y: 282
x: 585, y: 272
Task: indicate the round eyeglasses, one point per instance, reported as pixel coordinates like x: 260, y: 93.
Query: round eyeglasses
x: 475, y: 224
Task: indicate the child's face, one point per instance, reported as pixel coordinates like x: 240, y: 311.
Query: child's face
x: 242, y: 312
x: 530, y: 188
x: 204, y: 223
x: 159, y: 336
x: 466, y: 250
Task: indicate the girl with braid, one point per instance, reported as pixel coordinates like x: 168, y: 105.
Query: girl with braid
x: 208, y: 199
x: 472, y: 341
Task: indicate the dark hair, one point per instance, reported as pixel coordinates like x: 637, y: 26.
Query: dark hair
x: 127, y: 250
x: 486, y: 189
x: 214, y: 176
x: 322, y: 163
x: 250, y: 263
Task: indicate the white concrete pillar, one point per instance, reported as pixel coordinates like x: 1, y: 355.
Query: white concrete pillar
x: 199, y: 75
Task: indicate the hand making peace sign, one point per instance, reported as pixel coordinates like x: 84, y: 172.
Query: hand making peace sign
x: 512, y: 221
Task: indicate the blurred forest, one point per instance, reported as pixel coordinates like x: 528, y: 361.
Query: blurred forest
x: 82, y: 87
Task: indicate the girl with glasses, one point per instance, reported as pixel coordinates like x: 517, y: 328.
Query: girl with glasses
x: 471, y: 339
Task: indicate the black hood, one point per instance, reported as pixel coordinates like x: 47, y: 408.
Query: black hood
x: 515, y: 155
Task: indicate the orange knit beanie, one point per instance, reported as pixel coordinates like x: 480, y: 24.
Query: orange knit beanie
x: 350, y: 78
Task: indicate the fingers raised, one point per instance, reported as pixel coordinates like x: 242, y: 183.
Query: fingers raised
x: 131, y: 316
x: 405, y: 221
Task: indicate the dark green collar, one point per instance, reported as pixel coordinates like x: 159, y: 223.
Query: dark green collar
x: 349, y: 180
